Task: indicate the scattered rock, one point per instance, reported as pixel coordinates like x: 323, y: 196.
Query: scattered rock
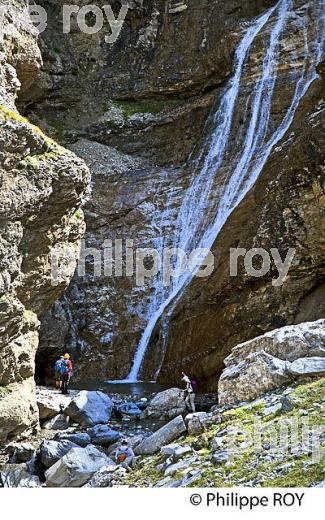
x: 179, y: 466
x: 81, y: 439
x: 287, y: 404
x: 16, y: 476
x: 103, y: 435
x: 196, y: 422
x: 269, y: 410
x: 90, y: 408
x: 167, y: 404
x: 52, y: 451
x: 103, y: 477
x: 311, y: 366
x: 60, y: 422
x: 22, y: 453
x: 76, y: 467
x: 221, y: 456
x: 130, y: 410
x: 175, y: 451
x: 163, y: 436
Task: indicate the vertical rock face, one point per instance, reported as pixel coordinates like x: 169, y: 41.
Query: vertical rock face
x: 42, y: 186
x: 285, y: 209
x: 134, y: 110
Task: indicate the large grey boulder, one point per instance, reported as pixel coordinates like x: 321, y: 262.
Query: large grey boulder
x: 129, y: 410
x: 76, y: 467
x: 103, y: 435
x: 16, y: 476
x: 60, y: 422
x: 312, y: 366
x: 167, y: 404
x: 52, y: 451
x: 287, y: 343
x: 197, y: 422
x: 21, y: 453
x: 259, y: 373
x: 50, y: 403
x: 90, y: 408
x: 161, y: 437
x: 103, y: 477
x: 80, y: 438
x: 269, y: 361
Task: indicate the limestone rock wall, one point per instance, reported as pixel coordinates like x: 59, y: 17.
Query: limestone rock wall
x: 42, y: 186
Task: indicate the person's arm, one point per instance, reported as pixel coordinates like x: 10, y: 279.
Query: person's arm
x: 131, y: 452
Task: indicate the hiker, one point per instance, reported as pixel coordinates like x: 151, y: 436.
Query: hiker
x: 125, y: 455
x: 66, y: 373
x: 58, y: 375
x: 191, y: 387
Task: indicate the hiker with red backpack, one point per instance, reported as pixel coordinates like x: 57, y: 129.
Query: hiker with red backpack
x: 191, y: 389
x: 124, y: 455
x: 66, y: 373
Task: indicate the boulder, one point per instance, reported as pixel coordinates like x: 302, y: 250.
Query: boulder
x: 103, y: 435
x: 258, y: 374
x: 220, y: 457
x: 287, y: 404
x: 90, y: 408
x: 163, y: 436
x: 310, y: 366
x: 76, y: 467
x: 60, y: 422
x: 179, y: 466
x: 50, y: 403
x: 130, y: 410
x: 196, y: 422
x: 81, y: 439
x: 103, y: 477
x: 272, y: 409
x: 167, y: 404
x: 52, y: 451
x: 287, y: 343
x: 16, y: 476
x: 269, y: 361
x: 22, y: 453
x: 175, y: 451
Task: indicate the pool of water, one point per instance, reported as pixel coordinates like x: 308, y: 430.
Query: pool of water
x: 135, y: 390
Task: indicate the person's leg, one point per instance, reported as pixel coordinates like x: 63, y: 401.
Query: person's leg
x: 192, y: 401
x: 64, y: 384
x: 128, y: 463
x: 188, y: 402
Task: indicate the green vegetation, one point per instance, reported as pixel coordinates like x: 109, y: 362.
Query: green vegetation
x: 4, y: 391
x: 78, y: 214
x: 266, y: 464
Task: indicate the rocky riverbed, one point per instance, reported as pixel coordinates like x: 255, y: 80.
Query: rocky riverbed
x: 79, y: 433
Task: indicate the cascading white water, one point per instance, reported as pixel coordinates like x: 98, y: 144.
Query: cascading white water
x: 226, y: 169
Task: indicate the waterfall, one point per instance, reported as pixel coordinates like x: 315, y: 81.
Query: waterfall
x: 229, y: 163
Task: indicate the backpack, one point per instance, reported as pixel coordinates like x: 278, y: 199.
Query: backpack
x: 122, y: 454
x: 65, y: 367
x: 195, y: 385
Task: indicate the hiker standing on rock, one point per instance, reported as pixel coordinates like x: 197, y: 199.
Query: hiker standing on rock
x: 124, y: 455
x: 66, y: 373
x: 191, y: 386
x: 58, y: 374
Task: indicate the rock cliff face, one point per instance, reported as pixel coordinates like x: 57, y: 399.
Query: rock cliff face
x: 42, y: 185
x: 134, y: 111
